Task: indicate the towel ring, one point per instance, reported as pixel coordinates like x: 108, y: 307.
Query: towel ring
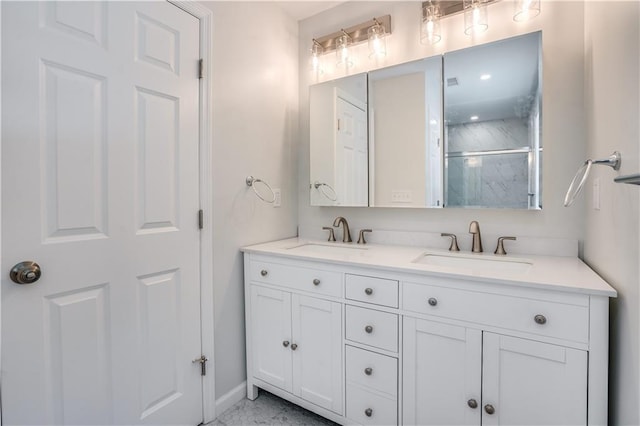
x: 582, y: 174
x: 320, y: 186
x: 250, y: 180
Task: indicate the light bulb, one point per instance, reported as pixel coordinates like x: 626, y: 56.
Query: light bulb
x: 377, y: 43
x: 430, y: 28
x: 475, y: 17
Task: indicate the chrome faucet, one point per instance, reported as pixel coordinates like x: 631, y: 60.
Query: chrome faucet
x: 474, y: 228
x: 346, y: 235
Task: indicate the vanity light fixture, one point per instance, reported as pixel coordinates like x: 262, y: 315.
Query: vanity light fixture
x: 430, y: 27
x: 526, y: 9
x: 475, y: 17
x: 373, y: 31
x: 316, y: 52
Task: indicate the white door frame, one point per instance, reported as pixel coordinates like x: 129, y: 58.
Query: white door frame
x: 205, y: 16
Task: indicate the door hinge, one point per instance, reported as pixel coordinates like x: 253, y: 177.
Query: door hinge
x: 200, y: 219
x: 201, y: 68
x: 203, y: 364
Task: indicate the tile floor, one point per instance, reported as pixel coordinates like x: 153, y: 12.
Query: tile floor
x: 268, y: 409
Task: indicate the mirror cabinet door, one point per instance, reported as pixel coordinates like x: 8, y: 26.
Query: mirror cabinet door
x: 492, y: 116
x: 338, y: 166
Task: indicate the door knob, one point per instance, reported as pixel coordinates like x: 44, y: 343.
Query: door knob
x: 26, y: 272
x: 472, y: 403
x: 489, y: 409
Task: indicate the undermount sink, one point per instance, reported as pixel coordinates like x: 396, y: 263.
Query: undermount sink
x: 315, y: 248
x: 482, y: 263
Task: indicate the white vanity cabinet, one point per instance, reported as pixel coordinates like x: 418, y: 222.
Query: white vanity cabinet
x: 366, y: 341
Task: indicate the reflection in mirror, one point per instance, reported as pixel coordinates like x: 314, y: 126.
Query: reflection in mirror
x: 338, y: 142
x: 404, y: 135
x: 492, y: 100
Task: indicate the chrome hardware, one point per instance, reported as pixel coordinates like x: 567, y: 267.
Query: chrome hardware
x: 368, y: 371
x: 346, y: 235
x: 369, y: 329
x: 285, y: 343
x: 476, y: 245
x: 200, y: 219
x: 361, y: 239
x: 472, y: 403
x: 368, y: 291
x: 294, y: 347
x: 203, y: 364
x: 433, y: 301
x: 316, y: 281
x: 26, y: 272
x: 454, y: 241
x: 540, y: 319
x: 489, y: 409
x: 332, y: 236
x: 264, y: 272
x: 200, y: 69
x: 500, y: 247
x: 368, y: 412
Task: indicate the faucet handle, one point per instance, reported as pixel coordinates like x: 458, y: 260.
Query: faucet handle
x: 454, y: 241
x: 361, y: 239
x: 332, y: 236
x: 500, y: 247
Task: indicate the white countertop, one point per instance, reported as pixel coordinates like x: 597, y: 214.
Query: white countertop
x: 546, y: 272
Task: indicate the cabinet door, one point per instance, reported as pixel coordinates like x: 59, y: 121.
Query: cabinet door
x: 533, y: 383
x: 271, y: 336
x: 317, y: 360
x: 441, y: 373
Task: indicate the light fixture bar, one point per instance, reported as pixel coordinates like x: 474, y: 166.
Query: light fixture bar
x: 451, y: 7
x: 356, y: 33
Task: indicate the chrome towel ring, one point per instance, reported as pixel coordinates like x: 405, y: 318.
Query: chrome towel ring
x: 582, y: 174
x: 251, y: 181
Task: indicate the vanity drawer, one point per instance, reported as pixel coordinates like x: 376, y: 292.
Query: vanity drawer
x: 553, y: 319
x: 378, y: 291
x: 370, y: 327
x: 298, y: 278
x: 372, y: 370
x: 368, y: 408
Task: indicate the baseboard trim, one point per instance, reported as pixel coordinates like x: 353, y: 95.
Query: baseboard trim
x: 227, y: 400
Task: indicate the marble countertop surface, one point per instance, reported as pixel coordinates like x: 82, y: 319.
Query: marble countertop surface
x: 545, y: 272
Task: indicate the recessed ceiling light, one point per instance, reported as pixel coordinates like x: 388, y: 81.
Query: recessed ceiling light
x: 473, y: 117
x: 485, y: 76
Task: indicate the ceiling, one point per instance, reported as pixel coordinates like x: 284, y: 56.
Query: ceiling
x: 300, y: 10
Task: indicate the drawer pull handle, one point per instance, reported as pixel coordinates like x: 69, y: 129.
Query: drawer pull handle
x: 368, y: 371
x: 489, y: 409
x: 369, y: 329
x: 285, y: 343
x: 540, y: 319
x: 368, y: 291
x: 264, y: 272
x: 368, y: 412
x: 472, y: 403
x: 433, y: 301
x: 294, y: 347
x: 316, y: 281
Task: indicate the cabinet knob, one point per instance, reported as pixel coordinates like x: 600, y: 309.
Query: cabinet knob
x: 264, y: 272
x: 489, y: 409
x: 540, y: 319
x: 316, y: 281
x: 368, y: 412
x: 368, y: 329
x: 368, y: 291
x: 294, y: 347
x: 368, y: 371
x: 472, y: 403
x: 433, y: 301
x: 285, y: 343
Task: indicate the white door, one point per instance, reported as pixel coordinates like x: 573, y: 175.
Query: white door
x: 100, y: 188
x: 272, y: 339
x: 317, y: 360
x: 441, y: 374
x: 532, y: 383
x: 351, y: 153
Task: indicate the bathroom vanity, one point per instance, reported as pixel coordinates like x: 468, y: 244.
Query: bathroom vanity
x: 404, y: 335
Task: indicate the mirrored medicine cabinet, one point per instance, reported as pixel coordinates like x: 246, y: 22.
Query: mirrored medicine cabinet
x: 459, y: 130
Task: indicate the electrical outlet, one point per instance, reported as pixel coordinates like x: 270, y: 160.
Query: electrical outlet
x: 277, y: 196
x: 401, y: 196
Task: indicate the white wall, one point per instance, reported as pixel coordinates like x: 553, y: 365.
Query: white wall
x: 255, y: 114
x: 612, y: 237
x: 563, y: 128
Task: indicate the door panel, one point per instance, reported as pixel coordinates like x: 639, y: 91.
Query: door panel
x: 100, y: 187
